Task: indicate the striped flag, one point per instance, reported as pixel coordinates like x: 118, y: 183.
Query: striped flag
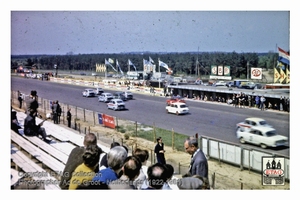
x: 151, y: 61
x: 283, y: 57
x: 111, y: 61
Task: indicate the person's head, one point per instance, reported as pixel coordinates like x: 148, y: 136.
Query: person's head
x: 89, y: 138
x: 32, y: 112
x: 114, y: 144
x: 33, y: 93
x: 142, y: 154
x: 116, y: 157
x: 156, y: 175
x: 191, y: 145
x: 159, y: 140
x: 131, y: 167
x: 91, y: 156
x: 169, y: 171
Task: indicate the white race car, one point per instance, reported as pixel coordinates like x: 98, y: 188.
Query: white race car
x: 261, y: 135
x: 253, y: 122
x: 177, y: 108
x: 116, y: 104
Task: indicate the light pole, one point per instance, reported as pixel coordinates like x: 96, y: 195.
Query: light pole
x: 247, y: 70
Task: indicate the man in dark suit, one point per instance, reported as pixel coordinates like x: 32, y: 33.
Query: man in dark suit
x: 199, y: 164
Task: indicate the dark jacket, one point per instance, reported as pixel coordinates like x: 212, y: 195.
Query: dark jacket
x: 30, y: 127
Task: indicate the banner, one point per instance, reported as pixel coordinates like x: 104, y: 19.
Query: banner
x: 282, y: 76
x: 256, y: 73
x: 287, y: 76
x: 220, y: 70
x: 213, y: 69
x: 276, y: 75
x: 108, y: 121
x: 226, y: 70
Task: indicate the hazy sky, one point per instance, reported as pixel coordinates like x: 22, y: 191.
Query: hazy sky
x: 85, y: 32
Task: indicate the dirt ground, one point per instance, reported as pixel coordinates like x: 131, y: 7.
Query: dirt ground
x: 227, y: 177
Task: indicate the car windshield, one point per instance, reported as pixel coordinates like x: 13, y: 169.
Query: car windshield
x: 183, y: 106
x: 119, y: 102
x: 270, y: 133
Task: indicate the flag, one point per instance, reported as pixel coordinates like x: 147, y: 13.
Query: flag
x: 130, y: 63
x: 117, y: 63
x: 108, y: 63
x: 284, y: 57
x: 162, y: 64
x: 111, y: 61
x: 288, y: 76
x: 151, y: 61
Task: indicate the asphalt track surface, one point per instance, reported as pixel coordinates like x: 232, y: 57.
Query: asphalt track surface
x: 211, y: 119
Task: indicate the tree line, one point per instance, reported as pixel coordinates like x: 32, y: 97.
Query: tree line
x: 188, y: 63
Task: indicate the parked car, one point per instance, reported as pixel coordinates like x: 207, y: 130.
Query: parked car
x: 99, y: 91
x: 120, y: 95
x: 175, y: 99
x: 105, y: 97
x: 261, y: 135
x: 251, y: 122
x: 128, y: 95
x: 116, y: 104
x: 247, y: 85
x: 219, y: 83
x: 177, y: 108
x: 88, y: 92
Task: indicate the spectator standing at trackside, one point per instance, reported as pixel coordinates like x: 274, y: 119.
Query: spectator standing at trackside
x: 281, y: 103
x: 257, y: 102
x: 262, y: 103
x: 20, y: 99
x: 32, y: 102
x: 69, y: 117
x: 75, y: 159
x: 59, y: 111
x: 199, y: 164
x: 160, y: 151
x: 54, y: 112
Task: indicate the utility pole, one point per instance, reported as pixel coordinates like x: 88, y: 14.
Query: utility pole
x: 247, y: 70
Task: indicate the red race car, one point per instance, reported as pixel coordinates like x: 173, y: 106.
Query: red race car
x: 175, y: 99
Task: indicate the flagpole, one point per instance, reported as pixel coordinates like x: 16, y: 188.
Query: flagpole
x: 159, y: 74
x: 105, y: 70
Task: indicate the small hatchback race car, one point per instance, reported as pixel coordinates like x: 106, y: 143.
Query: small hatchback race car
x: 177, y: 108
x: 88, y: 92
x: 116, y: 104
x: 105, y: 97
x: 174, y: 100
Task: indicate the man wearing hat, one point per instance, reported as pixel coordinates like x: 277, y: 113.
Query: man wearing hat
x: 32, y: 103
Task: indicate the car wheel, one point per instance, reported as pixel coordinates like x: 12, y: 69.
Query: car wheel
x: 242, y: 140
x: 114, y: 108
x: 263, y: 146
x: 177, y: 113
x: 167, y: 111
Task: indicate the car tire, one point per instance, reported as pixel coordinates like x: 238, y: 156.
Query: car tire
x: 242, y: 140
x: 263, y: 146
x: 177, y: 113
x: 167, y: 111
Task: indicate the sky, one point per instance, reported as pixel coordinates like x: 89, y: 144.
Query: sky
x: 86, y: 32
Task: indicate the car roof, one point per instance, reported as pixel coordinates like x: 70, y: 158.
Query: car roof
x: 117, y: 100
x: 263, y: 128
x: 179, y: 103
x: 255, y: 119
